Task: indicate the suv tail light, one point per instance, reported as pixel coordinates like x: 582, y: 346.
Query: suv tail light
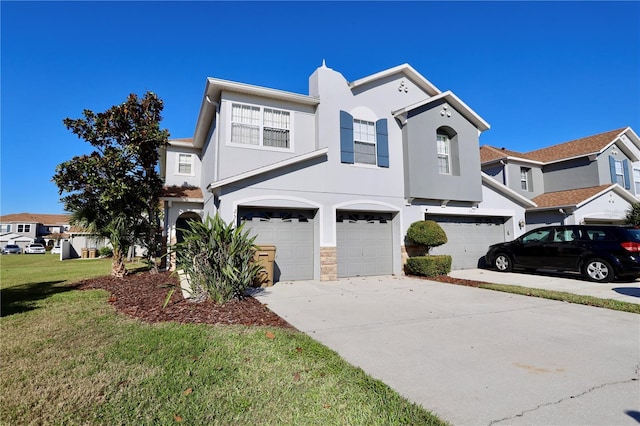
x: 631, y: 246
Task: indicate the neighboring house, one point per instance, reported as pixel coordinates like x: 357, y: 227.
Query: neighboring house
x: 333, y: 179
x: 32, y: 227
x: 588, y: 180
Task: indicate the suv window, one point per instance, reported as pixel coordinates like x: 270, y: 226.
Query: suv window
x: 600, y: 234
x: 539, y: 235
x: 631, y: 234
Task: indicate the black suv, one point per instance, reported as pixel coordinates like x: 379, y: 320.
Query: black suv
x: 599, y: 252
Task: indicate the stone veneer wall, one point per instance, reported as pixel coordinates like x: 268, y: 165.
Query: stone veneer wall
x: 328, y: 264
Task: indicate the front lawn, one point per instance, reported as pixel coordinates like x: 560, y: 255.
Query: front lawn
x: 69, y: 358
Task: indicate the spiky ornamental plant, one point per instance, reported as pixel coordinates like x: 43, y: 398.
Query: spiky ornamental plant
x: 115, y: 190
x: 217, y: 259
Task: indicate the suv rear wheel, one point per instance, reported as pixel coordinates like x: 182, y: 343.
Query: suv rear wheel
x: 598, y: 270
x: 503, y: 263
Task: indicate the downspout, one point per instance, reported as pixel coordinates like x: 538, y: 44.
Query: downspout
x: 216, y: 152
x: 504, y: 173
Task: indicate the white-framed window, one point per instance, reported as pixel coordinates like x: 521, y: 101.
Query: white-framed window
x: 444, y: 154
x: 619, y: 173
x: 5, y: 228
x: 636, y: 180
x: 185, y: 164
x: 260, y: 126
x: 524, y: 178
x: 22, y: 227
x: 364, y: 142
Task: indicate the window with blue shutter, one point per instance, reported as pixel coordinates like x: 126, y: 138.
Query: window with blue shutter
x: 346, y: 137
x: 612, y: 168
x: 382, y: 136
x: 363, y: 142
x: 625, y: 169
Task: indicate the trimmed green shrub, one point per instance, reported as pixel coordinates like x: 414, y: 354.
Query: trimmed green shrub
x: 427, y: 233
x: 105, y: 252
x: 429, y: 266
x: 217, y: 259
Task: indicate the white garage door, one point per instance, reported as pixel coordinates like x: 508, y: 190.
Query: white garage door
x: 364, y: 244
x: 468, y: 238
x: 291, y: 231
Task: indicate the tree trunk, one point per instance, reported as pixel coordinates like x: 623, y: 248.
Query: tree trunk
x: 118, y: 269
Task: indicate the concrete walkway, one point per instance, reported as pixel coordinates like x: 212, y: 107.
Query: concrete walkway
x: 473, y: 356
x: 627, y: 291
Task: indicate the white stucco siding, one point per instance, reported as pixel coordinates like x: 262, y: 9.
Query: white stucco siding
x: 236, y: 158
x: 608, y: 207
x: 173, y: 175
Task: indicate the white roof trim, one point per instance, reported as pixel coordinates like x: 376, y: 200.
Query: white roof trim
x: 284, y: 163
x: 452, y: 99
x: 215, y: 86
x: 489, y: 181
x: 182, y: 199
x: 615, y: 188
x: 211, y: 98
x: 405, y: 69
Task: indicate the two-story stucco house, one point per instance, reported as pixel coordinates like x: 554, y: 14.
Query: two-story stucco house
x: 588, y: 180
x: 335, y: 177
x: 25, y: 228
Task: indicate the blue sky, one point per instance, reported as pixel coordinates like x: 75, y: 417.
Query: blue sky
x: 540, y: 73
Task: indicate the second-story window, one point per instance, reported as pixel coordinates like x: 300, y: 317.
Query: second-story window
x: 636, y: 180
x: 24, y: 227
x: 254, y: 125
x: 444, y: 154
x: 185, y: 164
x: 524, y: 178
x: 364, y: 141
x: 619, y: 173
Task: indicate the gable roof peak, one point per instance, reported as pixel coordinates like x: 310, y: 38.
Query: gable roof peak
x: 577, y: 147
x: 405, y: 69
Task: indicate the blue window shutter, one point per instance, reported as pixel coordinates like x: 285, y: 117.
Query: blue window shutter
x: 612, y: 168
x: 625, y: 168
x: 382, y: 142
x: 346, y: 137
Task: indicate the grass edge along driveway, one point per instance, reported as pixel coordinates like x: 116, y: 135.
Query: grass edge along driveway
x: 68, y: 358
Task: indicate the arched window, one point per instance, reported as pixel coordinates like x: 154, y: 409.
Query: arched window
x: 447, y: 149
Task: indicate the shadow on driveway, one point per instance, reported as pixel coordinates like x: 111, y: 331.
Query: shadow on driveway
x: 628, y: 291
x: 22, y: 298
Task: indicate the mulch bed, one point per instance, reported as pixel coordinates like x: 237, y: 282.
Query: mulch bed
x: 142, y: 296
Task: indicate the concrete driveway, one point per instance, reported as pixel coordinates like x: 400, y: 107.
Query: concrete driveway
x: 627, y: 291
x: 473, y: 356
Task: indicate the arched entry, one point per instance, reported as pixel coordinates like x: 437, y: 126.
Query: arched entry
x: 183, y: 223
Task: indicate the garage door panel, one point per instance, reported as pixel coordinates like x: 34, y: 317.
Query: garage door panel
x: 468, y: 238
x: 364, y: 244
x: 291, y: 231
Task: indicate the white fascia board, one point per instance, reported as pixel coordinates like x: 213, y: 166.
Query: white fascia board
x: 453, y: 100
x: 217, y: 86
x: 181, y: 144
x: 211, y: 101
x: 467, y: 211
x: 275, y: 166
x: 489, y: 181
x: 628, y: 196
x: 407, y: 70
x: 182, y: 199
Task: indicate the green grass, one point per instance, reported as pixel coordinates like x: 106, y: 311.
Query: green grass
x: 616, y: 305
x: 68, y: 358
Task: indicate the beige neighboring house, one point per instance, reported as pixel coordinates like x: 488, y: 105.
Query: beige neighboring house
x: 26, y: 228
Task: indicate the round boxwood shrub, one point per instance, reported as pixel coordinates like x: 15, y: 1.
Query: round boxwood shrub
x: 427, y: 233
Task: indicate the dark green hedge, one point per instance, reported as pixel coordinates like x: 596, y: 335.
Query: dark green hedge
x: 427, y: 233
x: 429, y: 266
